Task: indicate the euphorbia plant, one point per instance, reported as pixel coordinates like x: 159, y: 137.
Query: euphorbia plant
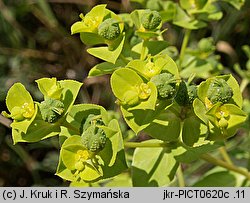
x: 185, y: 119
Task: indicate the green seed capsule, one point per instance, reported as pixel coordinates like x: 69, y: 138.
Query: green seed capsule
x: 165, y: 84
x: 109, y: 29
x: 51, y: 110
x: 150, y: 20
x: 93, y: 137
x: 219, y: 91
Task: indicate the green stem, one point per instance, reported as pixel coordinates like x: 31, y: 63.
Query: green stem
x: 225, y: 155
x: 184, y: 46
x: 143, y: 50
x: 180, y: 177
x: 226, y: 165
x: 243, y: 84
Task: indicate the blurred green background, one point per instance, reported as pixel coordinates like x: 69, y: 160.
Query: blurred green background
x: 35, y: 42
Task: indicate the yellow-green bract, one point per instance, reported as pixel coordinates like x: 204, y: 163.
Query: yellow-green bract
x: 223, y: 117
x: 101, y: 26
x: 32, y: 124
x: 23, y: 109
x: 50, y: 88
x: 78, y: 163
x: 19, y: 103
